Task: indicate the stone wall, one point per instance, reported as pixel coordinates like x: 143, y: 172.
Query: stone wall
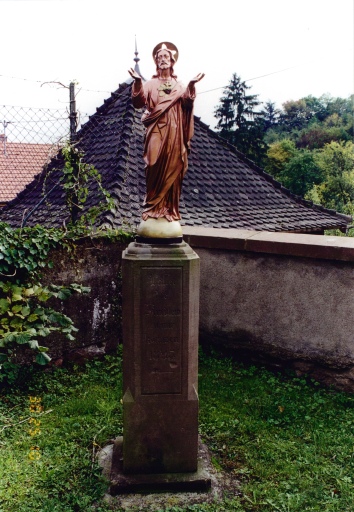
x: 284, y: 300
x: 97, y: 315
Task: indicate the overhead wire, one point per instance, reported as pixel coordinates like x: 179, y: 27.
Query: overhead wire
x: 110, y: 92
x: 250, y: 79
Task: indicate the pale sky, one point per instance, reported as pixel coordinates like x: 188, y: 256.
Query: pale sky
x: 305, y: 46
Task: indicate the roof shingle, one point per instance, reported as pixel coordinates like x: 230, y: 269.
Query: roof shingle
x: 19, y: 164
x: 222, y: 187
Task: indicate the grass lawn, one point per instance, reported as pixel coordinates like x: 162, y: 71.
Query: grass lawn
x: 289, y: 442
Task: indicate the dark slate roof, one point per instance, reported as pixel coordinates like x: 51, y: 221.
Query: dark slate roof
x: 222, y: 187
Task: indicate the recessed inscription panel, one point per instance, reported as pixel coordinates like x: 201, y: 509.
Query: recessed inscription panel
x: 161, y: 330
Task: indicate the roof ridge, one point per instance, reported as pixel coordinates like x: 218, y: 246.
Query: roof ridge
x: 106, y: 104
x: 270, y: 178
x: 123, y: 141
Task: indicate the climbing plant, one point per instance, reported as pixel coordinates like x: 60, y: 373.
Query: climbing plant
x: 25, y: 316
x: 75, y: 180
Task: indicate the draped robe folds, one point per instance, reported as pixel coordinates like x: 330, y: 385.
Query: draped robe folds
x: 168, y: 120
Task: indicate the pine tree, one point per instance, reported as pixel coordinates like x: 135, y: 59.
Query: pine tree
x: 236, y: 116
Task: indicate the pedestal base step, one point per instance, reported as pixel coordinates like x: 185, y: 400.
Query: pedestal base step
x: 121, y: 483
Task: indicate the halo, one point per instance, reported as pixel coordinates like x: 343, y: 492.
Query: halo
x: 165, y: 45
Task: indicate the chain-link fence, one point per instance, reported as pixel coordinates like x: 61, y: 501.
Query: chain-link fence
x: 29, y: 138
x: 24, y: 125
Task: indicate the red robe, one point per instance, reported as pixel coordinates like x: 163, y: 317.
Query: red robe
x: 169, y: 128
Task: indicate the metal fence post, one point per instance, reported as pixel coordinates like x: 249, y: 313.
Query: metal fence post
x: 73, y: 126
x: 73, y: 113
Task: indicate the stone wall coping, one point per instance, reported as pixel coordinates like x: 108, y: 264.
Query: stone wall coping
x: 289, y: 244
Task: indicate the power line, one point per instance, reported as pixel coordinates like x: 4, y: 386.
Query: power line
x: 110, y: 92
x: 20, y: 78
x: 273, y: 73
x: 117, y: 95
x: 250, y: 79
x: 46, y: 82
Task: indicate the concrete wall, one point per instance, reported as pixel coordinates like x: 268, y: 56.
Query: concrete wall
x: 281, y: 299
x: 97, y: 315
x: 284, y: 300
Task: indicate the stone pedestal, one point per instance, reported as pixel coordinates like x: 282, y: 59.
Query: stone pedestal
x: 160, y: 354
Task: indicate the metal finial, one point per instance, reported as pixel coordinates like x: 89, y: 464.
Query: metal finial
x: 136, y: 60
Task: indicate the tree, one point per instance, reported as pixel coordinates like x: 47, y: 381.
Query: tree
x: 295, y: 169
x: 301, y: 172
x: 278, y: 155
x: 236, y: 114
x: 337, y: 189
x: 269, y: 116
x: 317, y: 135
x: 295, y: 115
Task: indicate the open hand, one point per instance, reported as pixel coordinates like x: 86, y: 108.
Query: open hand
x: 134, y: 75
x: 197, y: 78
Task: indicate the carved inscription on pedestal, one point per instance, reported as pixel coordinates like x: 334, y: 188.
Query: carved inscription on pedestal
x: 161, y: 330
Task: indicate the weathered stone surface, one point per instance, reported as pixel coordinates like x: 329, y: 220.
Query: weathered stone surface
x: 138, y: 492
x: 160, y: 358
x: 289, y: 244
x: 121, y: 482
x: 290, y: 308
x: 97, y: 315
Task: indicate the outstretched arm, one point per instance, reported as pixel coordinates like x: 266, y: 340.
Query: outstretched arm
x: 137, y: 90
x: 191, y: 85
x: 137, y: 80
x: 134, y: 75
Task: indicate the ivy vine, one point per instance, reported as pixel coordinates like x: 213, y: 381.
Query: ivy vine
x: 76, y: 178
x: 25, y: 316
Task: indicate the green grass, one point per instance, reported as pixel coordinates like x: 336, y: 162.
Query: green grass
x: 290, y: 442
x: 54, y: 470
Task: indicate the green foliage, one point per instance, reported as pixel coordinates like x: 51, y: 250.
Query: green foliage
x: 316, y: 136
x: 288, y: 143
x: 300, y: 114
x: 28, y: 308
x: 269, y: 116
x: 77, y: 178
x: 311, y: 169
x: 296, y: 114
x: 278, y: 155
x: 24, y: 252
x: 301, y: 172
x: 25, y: 318
x: 336, y: 160
x: 288, y: 440
x: 53, y: 468
x: 77, y: 175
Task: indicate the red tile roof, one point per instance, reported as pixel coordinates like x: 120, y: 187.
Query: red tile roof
x: 19, y: 164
